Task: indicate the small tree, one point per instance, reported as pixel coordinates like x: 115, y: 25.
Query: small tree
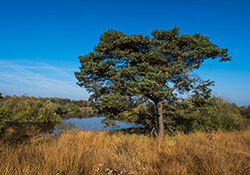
x: 127, y: 70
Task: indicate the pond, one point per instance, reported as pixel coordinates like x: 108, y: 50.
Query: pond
x: 94, y: 124
x: 90, y: 124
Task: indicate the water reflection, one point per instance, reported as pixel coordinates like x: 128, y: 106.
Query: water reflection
x: 18, y: 132
x: 26, y: 130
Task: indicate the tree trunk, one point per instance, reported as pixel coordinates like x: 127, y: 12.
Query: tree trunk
x: 160, y: 122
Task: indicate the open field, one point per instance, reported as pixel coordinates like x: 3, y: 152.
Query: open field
x: 74, y: 153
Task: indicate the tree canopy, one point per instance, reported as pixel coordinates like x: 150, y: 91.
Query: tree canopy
x: 127, y: 70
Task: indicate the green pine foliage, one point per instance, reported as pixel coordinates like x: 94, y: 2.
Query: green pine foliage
x: 199, y: 112
x: 125, y: 71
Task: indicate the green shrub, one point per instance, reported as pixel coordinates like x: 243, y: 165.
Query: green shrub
x: 26, y: 109
x: 5, y: 116
x: 194, y: 115
x: 215, y: 114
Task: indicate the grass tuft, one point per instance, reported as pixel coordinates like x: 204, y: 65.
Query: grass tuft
x: 75, y: 152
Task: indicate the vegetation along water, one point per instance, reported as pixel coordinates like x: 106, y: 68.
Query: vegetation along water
x: 141, y: 80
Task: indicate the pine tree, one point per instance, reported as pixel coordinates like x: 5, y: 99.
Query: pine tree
x: 127, y: 70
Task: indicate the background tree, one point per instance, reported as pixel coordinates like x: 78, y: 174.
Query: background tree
x: 127, y: 70
x: 245, y: 111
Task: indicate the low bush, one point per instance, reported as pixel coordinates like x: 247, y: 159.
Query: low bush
x: 26, y: 110
x: 215, y: 114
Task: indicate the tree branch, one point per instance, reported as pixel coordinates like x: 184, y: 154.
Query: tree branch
x: 128, y: 64
x: 171, y: 106
x: 143, y: 60
x: 159, y: 72
x: 179, y: 58
x: 178, y: 97
x: 185, y: 78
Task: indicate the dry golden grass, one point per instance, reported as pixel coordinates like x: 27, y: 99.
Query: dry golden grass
x: 75, y: 153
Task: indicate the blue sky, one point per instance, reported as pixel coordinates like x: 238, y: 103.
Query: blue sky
x: 41, y: 40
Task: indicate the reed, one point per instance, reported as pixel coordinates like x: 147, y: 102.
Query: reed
x: 74, y: 153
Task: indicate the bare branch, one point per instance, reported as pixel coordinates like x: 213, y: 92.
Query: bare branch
x: 143, y: 60
x: 171, y: 106
x: 185, y: 78
x: 128, y: 64
x: 159, y: 72
x: 179, y: 58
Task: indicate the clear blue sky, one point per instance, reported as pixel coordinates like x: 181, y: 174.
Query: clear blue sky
x: 40, y: 40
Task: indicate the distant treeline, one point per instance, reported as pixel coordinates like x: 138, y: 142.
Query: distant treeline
x: 195, y: 114
x: 14, y: 109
